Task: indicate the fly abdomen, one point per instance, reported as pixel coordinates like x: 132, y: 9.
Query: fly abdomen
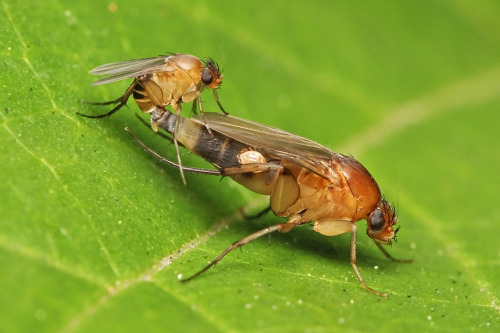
x: 213, y: 146
x: 148, y: 95
x: 141, y: 98
x: 139, y: 92
x: 165, y: 120
x: 218, y: 149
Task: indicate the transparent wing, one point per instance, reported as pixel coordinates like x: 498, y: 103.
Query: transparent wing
x: 131, y: 69
x: 271, y: 141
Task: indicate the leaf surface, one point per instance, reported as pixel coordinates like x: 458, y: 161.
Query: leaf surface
x: 94, y: 231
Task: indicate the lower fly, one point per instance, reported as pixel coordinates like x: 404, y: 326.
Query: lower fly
x: 307, y: 183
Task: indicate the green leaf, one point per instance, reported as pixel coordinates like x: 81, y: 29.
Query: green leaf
x: 94, y: 231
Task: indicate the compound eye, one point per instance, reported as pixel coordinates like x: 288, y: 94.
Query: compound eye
x: 206, y: 77
x: 377, y: 220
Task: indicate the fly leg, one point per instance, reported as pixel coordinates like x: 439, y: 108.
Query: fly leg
x: 200, y: 107
x: 354, y: 265
x: 390, y: 257
x: 122, y: 100
x: 172, y: 163
x: 216, y: 97
x: 177, y: 108
x: 250, y: 168
x: 282, y: 227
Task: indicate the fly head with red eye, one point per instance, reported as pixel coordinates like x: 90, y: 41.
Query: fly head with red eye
x: 211, y: 75
x: 380, y: 223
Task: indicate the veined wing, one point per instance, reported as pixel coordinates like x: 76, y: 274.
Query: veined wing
x: 271, y: 141
x: 131, y: 69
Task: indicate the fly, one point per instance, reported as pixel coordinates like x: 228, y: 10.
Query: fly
x: 162, y: 81
x: 306, y: 182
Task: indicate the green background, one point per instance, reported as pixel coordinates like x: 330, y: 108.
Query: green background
x: 94, y: 231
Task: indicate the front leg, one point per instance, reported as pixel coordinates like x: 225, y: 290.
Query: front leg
x: 355, y: 266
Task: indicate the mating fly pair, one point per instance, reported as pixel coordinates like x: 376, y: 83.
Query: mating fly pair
x: 307, y: 183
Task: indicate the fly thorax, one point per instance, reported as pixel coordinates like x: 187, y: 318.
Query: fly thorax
x: 324, y: 198
x: 360, y: 183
